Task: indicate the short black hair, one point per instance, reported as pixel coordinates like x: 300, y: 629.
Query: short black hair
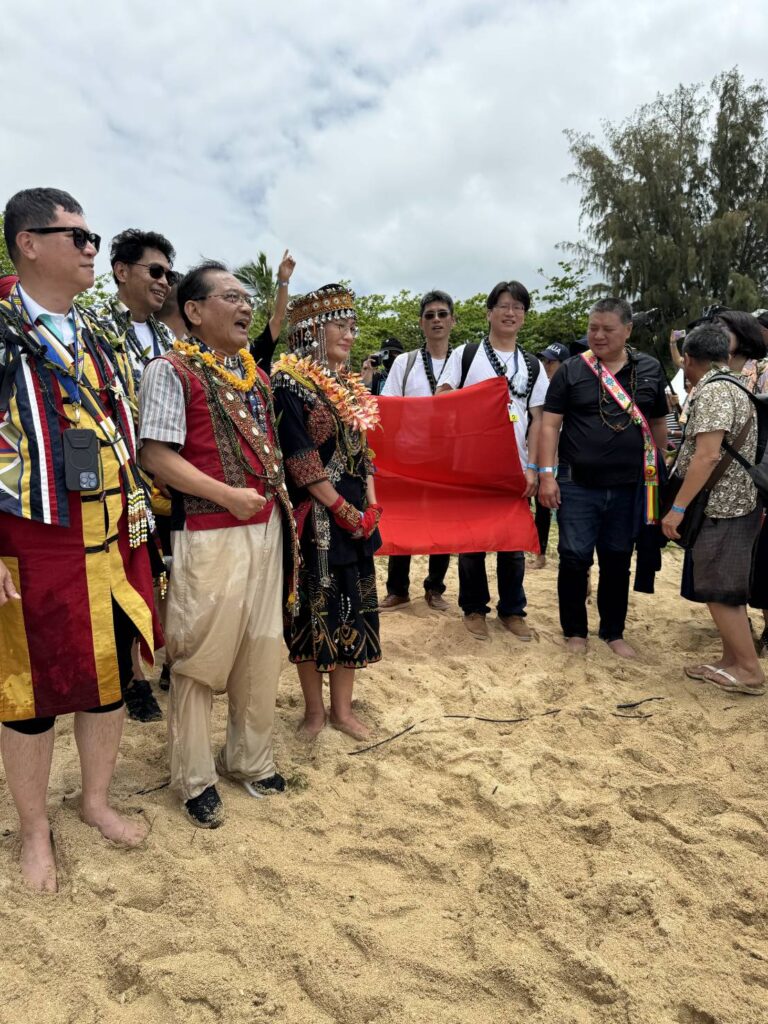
x: 196, y: 284
x: 33, y: 208
x: 435, y: 296
x: 518, y: 292
x: 129, y: 246
x: 614, y: 305
x: 763, y: 319
x: 707, y: 343
x: 750, y: 342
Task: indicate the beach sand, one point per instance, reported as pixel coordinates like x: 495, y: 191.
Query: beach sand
x: 584, y: 863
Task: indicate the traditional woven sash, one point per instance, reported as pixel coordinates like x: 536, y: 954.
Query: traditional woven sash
x: 650, y: 452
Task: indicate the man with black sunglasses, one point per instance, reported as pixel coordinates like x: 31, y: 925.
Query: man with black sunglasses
x: 418, y: 374
x: 142, y: 267
x: 75, y: 575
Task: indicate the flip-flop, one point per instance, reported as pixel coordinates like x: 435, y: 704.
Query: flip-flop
x: 725, y: 681
x: 699, y: 672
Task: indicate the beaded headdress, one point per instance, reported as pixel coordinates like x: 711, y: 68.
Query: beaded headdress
x: 307, y: 315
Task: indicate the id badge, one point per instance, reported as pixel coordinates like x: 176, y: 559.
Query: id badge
x: 513, y: 417
x: 82, y: 460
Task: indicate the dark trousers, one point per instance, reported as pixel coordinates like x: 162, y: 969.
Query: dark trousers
x: 543, y: 520
x: 474, y: 596
x: 589, y: 519
x: 398, y: 574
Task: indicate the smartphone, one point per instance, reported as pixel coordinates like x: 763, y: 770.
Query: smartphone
x: 678, y: 335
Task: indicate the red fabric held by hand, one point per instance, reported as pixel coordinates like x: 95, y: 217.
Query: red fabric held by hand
x: 448, y: 474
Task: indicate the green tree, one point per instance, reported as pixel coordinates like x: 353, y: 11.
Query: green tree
x: 6, y: 267
x: 261, y: 281
x: 675, y: 200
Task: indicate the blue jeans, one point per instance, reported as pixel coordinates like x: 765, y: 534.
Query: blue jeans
x: 605, y: 519
x: 474, y: 596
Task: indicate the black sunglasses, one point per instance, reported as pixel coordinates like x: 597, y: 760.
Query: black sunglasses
x: 80, y: 236
x: 157, y: 270
x: 432, y: 313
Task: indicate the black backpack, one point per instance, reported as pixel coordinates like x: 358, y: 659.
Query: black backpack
x: 532, y: 363
x: 759, y: 470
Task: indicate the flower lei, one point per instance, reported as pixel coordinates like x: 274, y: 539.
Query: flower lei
x: 347, y: 394
x: 243, y: 384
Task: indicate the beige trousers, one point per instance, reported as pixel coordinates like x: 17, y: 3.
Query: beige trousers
x: 224, y: 634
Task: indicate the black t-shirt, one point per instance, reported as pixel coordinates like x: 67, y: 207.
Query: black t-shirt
x: 263, y: 349
x: 599, y: 456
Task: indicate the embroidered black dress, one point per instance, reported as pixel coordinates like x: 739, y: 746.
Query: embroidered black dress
x: 338, y: 620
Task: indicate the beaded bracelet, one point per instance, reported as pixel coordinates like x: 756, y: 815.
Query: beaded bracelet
x: 546, y: 469
x: 680, y: 509
x: 533, y: 466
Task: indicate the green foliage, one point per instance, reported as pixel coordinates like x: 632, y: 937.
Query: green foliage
x: 676, y: 199
x: 99, y: 291
x: 562, y: 317
x: 6, y: 267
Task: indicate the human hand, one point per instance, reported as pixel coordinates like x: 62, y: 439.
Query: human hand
x: 244, y: 502
x: 161, y: 486
x: 549, y: 491
x: 8, y: 591
x: 670, y: 523
x: 370, y: 520
x: 366, y: 372
x: 531, y: 483
x: 286, y: 268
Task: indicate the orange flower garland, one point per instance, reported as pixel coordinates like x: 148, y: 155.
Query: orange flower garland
x: 347, y: 393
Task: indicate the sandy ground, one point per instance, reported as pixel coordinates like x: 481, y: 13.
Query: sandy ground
x: 587, y: 863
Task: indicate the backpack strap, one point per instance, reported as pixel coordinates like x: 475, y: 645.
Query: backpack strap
x: 534, y: 368
x: 469, y: 353
x: 409, y: 364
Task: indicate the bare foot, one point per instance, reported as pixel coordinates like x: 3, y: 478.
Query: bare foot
x: 576, y: 645
x: 351, y: 725
x: 622, y: 648
x: 538, y: 562
x: 312, y: 725
x: 128, y: 832
x: 38, y: 862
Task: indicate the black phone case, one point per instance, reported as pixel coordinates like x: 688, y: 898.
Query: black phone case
x: 82, y: 460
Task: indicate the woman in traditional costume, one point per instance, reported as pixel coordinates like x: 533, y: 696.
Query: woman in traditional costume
x: 323, y: 414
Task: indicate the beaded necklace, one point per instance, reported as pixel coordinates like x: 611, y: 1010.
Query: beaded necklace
x: 429, y: 369
x: 500, y: 369
x: 607, y: 405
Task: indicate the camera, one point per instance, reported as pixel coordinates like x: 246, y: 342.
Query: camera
x: 378, y: 358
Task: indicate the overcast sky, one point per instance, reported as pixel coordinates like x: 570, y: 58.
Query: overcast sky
x: 399, y: 145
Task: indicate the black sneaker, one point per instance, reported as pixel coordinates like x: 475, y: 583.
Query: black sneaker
x: 165, y: 678
x: 206, y: 810
x: 140, y: 702
x: 266, y: 787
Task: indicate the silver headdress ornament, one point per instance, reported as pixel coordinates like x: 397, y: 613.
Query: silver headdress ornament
x: 308, y: 314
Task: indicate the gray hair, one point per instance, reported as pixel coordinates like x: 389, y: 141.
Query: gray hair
x: 707, y: 343
x: 612, y: 305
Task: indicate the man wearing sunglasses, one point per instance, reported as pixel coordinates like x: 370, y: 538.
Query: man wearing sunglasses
x: 142, y: 267
x: 419, y: 374
x: 142, y: 270
x: 75, y: 576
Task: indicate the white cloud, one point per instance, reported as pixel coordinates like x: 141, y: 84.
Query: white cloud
x: 400, y: 146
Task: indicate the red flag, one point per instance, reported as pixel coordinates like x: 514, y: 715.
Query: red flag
x: 448, y: 474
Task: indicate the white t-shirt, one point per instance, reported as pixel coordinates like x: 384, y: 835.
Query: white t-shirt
x: 417, y: 384
x: 145, y: 337
x: 481, y: 370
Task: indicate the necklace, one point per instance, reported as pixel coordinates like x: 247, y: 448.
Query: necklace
x: 429, y: 369
x: 243, y: 384
x: 610, y: 414
x: 346, y: 393
x: 500, y: 369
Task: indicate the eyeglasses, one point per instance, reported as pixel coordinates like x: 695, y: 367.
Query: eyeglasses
x: 80, y: 236
x: 233, y: 298
x: 442, y: 314
x: 511, y: 307
x: 157, y: 270
x: 343, y: 327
